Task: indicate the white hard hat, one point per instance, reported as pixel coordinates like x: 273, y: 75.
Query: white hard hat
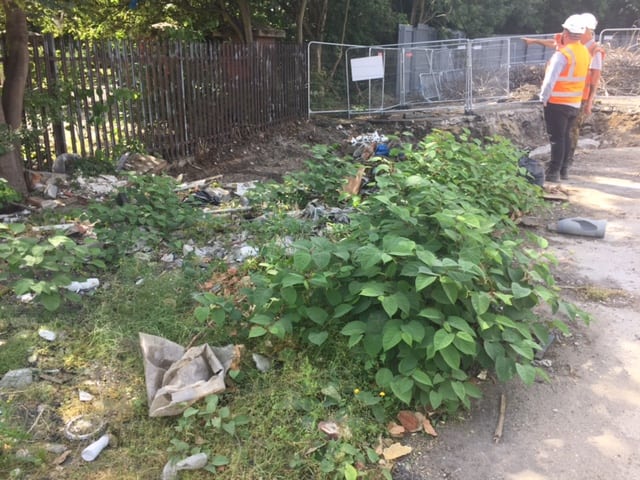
x: 574, y: 24
x: 589, y: 21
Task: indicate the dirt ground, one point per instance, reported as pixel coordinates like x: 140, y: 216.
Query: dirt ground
x: 585, y: 422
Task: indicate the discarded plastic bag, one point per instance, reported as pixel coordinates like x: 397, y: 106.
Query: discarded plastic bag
x: 582, y: 226
x: 194, y: 462
x: 176, y: 378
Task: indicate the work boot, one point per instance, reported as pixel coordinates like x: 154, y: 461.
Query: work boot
x: 564, y: 175
x: 552, y: 177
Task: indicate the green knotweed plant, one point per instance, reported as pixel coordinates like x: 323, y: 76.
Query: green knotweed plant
x: 433, y: 282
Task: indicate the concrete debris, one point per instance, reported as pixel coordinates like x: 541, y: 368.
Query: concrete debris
x: 16, y: 379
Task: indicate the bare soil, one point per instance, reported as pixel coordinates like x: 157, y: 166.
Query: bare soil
x: 585, y: 422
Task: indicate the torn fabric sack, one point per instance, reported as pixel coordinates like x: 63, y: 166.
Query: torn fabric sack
x: 176, y: 378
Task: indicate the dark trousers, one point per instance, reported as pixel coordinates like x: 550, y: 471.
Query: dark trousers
x: 559, y: 120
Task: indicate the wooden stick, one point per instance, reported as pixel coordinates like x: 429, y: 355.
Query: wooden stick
x: 503, y: 408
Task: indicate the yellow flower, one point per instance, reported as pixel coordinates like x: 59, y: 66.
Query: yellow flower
x: 382, y: 394
x: 356, y: 391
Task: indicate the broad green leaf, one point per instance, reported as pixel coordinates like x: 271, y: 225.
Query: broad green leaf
x: 190, y: 412
x: 318, y: 338
x: 415, y: 329
x: 450, y: 289
x: 390, y: 305
x: 289, y: 295
x: 451, y: 356
x: 391, y: 335
x: 398, y: 246
x: 219, y: 461
x: 23, y: 286
x: 257, y: 331
x: 321, y: 259
x: 372, y: 343
x: 423, y: 281
x: 461, y: 324
x: 519, y: 291
x: 402, y: 388
x: 494, y: 350
x: 291, y: 279
x: 262, y: 319
x: 341, y: 310
x: 51, y: 301
x: 201, y: 314
x: 505, y: 368
x: 422, y: 378
x: 354, y: 340
x: 527, y: 373
x: 442, y: 339
x: 317, y: 315
x: 407, y: 365
x: 373, y: 289
x: 458, y: 387
x: 432, y: 314
x: 350, y: 472
x: 465, y: 343
x: 472, y: 390
x: 354, y: 328
x: 522, y: 349
x: 301, y: 260
x: 435, y: 398
x: 384, y: 377
x: 59, y: 240
x: 480, y: 302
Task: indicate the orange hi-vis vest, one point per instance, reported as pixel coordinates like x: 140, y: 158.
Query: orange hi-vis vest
x: 569, y: 86
x: 594, y: 48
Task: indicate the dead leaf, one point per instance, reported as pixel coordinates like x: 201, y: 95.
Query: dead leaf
x: 395, y: 430
x: 354, y: 183
x: 396, y: 451
x: 409, y: 421
x: 428, y: 428
x: 60, y: 459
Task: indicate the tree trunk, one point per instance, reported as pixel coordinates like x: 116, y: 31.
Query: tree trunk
x: 16, y: 69
x: 300, y: 22
x: 245, y: 18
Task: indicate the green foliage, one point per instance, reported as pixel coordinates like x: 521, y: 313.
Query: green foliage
x: 145, y: 213
x: 43, y: 266
x: 432, y: 281
x: 7, y: 194
x: 322, y: 178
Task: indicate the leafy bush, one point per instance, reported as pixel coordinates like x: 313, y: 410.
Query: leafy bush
x: 44, y: 265
x: 432, y: 283
x: 7, y: 194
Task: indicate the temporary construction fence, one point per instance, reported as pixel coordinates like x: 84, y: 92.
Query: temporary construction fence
x: 175, y: 99
x: 356, y: 79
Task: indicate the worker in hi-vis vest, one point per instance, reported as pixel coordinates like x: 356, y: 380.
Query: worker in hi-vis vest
x: 561, y: 92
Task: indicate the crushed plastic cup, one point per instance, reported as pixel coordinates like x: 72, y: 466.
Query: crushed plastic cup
x: 90, y: 453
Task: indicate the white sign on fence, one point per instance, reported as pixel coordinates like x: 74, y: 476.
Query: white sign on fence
x: 367, y: 68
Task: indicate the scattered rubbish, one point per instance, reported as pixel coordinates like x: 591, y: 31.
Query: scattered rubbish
x: 396, y: 450
x: 497, y: 436
x: 396, y: 430
x: 534, y: 169
x: 65, y: 163
x: 176, y: 378
x: 48, y: 335
x: 354, y: 184
x: 330, y: 429
x: 16, y: 379
x: 205, y: 196
x: 85, y: 427
x: 92, y: 451
x: 141, y: 163
x: 245, y: 252
x: 409, y: 420
x: 262, y: 363
x: 84, y: 396
x: 194, y: 462
x: 581, y: 226
x: 26, y: 297
x: 84, y: 287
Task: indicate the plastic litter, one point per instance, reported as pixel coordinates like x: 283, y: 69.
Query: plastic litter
x: 87, y: 286
x: 90, y: 453
x: 582, y: 226
x: 194, y: 462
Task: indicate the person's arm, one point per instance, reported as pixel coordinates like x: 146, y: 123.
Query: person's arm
x: 545, y: 42
x: 556, y: 64
x: 595, y: 70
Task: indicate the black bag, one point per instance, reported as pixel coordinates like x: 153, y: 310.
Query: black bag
x: 535, y: 170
